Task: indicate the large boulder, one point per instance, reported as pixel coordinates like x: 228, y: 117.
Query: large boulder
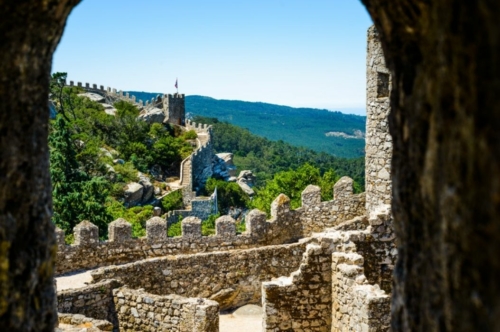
x: 148, y: 189
x: 247, y: 177
x: 154, y: 115
x: 92, y: 96
x: 245, y: 187
x: 133, y: 193
x: 228, y: 162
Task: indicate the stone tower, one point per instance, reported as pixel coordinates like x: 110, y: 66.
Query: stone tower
x: 378, y: 140
x: 174, y: 107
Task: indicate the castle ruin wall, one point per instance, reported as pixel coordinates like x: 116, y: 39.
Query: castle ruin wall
x: 232, y: 278
x: 284, y: 226
x: 141, y: 311
x: 95, y: 301
x: 378, y: 184
x: 316, y: 215
x: 303, y: 301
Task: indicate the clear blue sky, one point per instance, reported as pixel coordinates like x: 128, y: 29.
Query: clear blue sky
x: 289, y: 52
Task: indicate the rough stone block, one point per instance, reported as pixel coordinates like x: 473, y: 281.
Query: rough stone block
x: 225, y: 226
x: 255, y: 222
x: 156, y: 229
x: 343, y: 188
x: 119, y: 230
x: 86, y: 233
x: 280, y: 205
x: 191, y: 227
x: 311, y: 195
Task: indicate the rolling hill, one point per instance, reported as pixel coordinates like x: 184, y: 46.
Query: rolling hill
x: 336, y: 133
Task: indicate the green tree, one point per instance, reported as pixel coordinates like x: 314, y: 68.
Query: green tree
x: 76, y: 196
x: 229, y: 194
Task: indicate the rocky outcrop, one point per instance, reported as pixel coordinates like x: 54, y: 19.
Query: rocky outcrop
x: 154, y: 115
x: 246, y: 180
x: 148, y: 189
x: 133, y: 193
x: 93, y: 96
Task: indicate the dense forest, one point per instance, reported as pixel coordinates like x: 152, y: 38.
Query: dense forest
x: 304, y: 127
x: 266, y: 158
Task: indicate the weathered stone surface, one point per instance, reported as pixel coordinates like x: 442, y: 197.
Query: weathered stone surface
x: 86, y: 233
x: 119, y: 231
x: 94, y: 301
x: 246, y: 188
x: 154, y: 115
x: 148, y: 190
x: 133, y: 193
x: 204, y: 275
x: 92, y: 96
x: 156, y: 230
x: 140, y: 311
x: 247, y: 177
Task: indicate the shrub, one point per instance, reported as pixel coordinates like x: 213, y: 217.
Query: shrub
x: 175, y: 229
x: 172, y: 201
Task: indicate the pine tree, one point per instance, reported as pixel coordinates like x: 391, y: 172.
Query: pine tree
x: 76, y: 196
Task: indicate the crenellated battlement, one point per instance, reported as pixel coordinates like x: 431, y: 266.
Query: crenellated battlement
x: 112, y: 94
x: 198, y: 127
x: 284, y: 226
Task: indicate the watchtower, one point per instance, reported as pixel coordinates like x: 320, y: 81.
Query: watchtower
x: 174, y: 107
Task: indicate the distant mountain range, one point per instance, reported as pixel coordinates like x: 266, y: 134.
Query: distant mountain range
x: 333, y: 132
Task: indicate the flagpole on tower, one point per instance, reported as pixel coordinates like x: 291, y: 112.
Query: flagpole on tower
x: 177, y: 85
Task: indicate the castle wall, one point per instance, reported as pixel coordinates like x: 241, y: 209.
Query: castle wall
x: 316, y: 215
x: 330, y: 290
x: 285, y: 226
x: 201, y: 162
x: 357, y: 305
x: 201, y: 208
x: 94, y: 301
x: 303, y: 301
x: 378, y: 140
x: 232, y: 278
x: 140, y: 311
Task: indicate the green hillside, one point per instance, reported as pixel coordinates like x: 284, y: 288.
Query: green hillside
x: 305, y: 127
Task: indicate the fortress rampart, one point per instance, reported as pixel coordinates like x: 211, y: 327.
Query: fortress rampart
x: 285, y: 226
x: 232, y: 278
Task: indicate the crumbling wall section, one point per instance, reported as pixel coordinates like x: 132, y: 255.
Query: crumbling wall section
x: 357, y: 305
x: 141, y: 311
x: 303, y: 301
x: 95, y: 301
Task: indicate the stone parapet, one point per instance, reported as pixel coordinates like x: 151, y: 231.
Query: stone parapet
x: 232, y: 278
x: 284, y: 226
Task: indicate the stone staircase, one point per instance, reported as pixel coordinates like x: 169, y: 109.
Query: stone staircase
x: 186, y: 172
